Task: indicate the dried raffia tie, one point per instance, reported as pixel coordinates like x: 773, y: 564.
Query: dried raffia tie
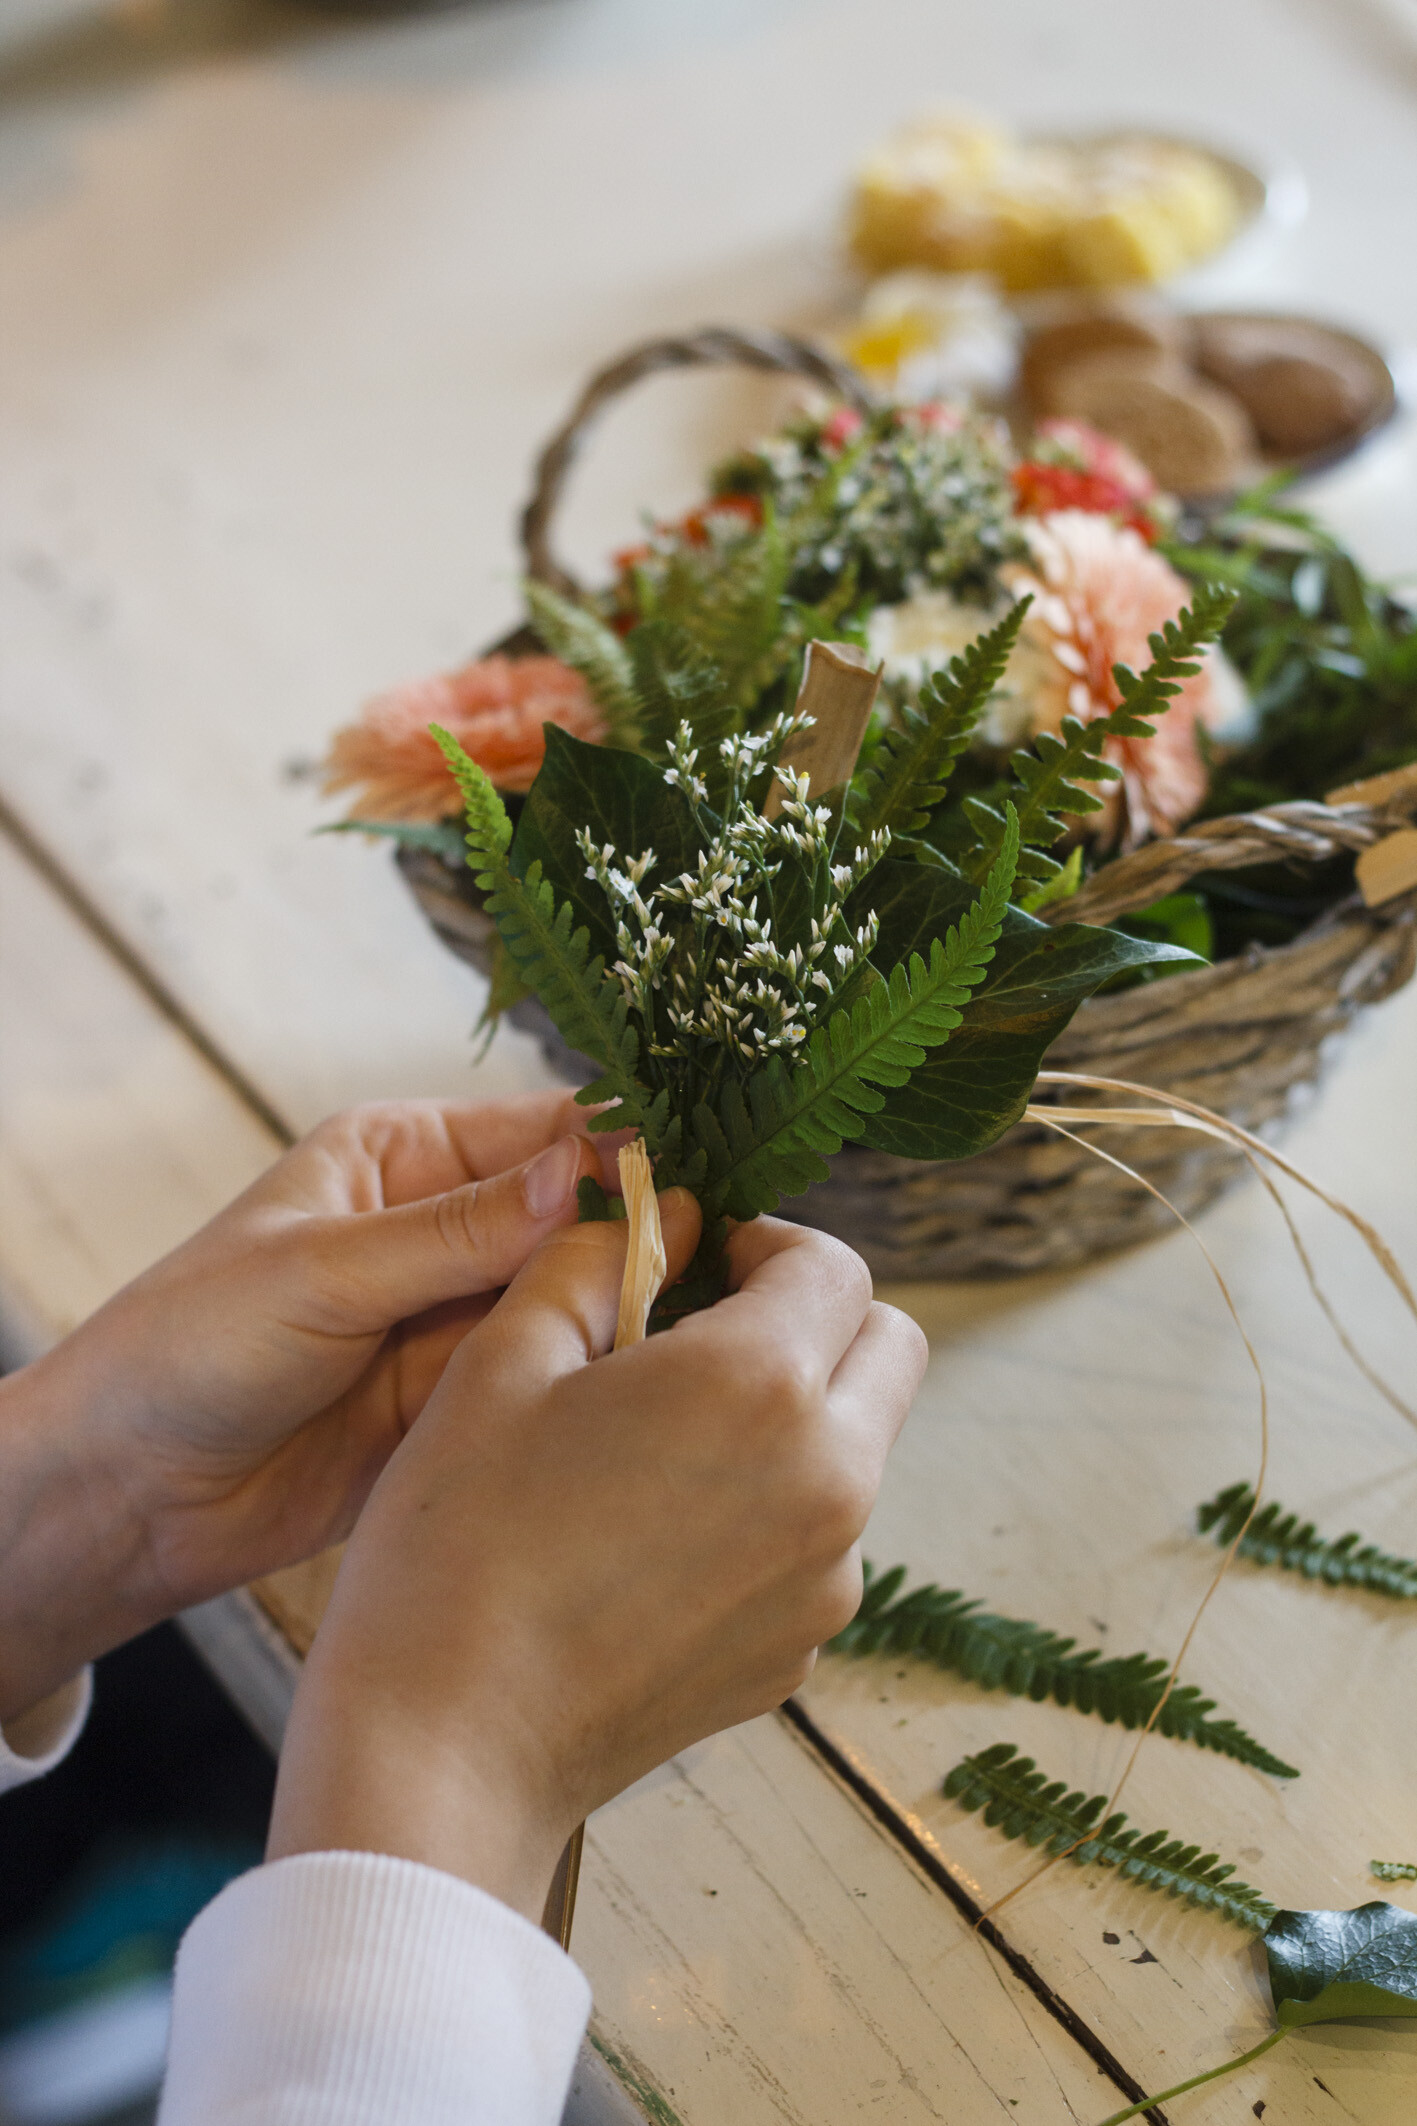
x: 1171, y: 1111
x: 645, y: 1265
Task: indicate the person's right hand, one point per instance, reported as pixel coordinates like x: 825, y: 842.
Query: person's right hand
x: 578, y: 1563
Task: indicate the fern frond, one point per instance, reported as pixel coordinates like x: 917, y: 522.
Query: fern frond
x: 675, y: 685
x: 732, y: 612
x: 553, y: 957
x: 575, y: 635
x: 1275, y: 1537
x: 1053, y: 777
x: 1023, y: 1802
x: 1007, y: 1653
x: 908, y: 773
x: 774, y: 1143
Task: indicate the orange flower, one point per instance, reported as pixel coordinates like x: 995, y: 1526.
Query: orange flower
x: 495, y: 707
x: 1098, y: 592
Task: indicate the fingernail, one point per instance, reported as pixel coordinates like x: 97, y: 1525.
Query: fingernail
x: 551, y: 1177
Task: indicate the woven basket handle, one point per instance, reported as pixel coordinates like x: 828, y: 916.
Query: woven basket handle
x: 1304, y: 832
x: 711, y: 347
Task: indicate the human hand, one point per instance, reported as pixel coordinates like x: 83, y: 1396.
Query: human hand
x: 227, y: 1412
x: 621, y: 1554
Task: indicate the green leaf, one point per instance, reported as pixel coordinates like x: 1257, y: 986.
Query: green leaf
x: 573, y: 633
x: 443, y: 837
x: 773, y: 1144
x: 1275, y: 1537
x: 1394, y: 1870
x: 1327, y: 1966
x: 907, y: 774
x: 1053, y: 778
x: 1039, y: 974
x: 1023, y: 1803
x: 623, y: 800
x: 952, y: 1631
x: 554, y: 956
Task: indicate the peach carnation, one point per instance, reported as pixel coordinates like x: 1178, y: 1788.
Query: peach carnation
x: 1098, y: 592
x: 495, y: 707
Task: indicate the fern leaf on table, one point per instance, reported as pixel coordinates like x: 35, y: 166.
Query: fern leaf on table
x: 1275, y: 1537
x: 774, y: 1142
x: 1024, y: 1803
x: 907, y: 776
x: 952, y: 1631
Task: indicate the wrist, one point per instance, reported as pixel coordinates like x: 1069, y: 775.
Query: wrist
x: 73, y: 1546
x: 366, y: 1771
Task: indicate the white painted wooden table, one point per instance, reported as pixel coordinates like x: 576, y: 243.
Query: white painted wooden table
x: 289, y: 300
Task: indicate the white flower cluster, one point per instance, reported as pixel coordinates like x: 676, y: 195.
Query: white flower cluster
x: 699, y: 957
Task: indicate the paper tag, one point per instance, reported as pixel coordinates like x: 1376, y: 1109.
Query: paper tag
x: 838, y: 692
x: 1388, y: 868
x: 645, y: 1262
x: 1377, y: 789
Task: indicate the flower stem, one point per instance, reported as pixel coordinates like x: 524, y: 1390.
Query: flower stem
x: 1211, y: 2074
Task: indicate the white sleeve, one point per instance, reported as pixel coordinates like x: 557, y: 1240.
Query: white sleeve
x: 42, y: 1737
x: 352, y: 1989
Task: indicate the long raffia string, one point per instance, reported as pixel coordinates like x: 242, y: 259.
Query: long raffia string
x: 1175, y: 1112
x: 1045, y: 1116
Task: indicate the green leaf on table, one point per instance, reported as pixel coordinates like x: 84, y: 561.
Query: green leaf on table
x: 1277, y: 1537
x: 957, y: 1104
x: 1024, y: 1803
x: 949, y: 1630
x: 1325, y: 1967
x: 1394, y: 1870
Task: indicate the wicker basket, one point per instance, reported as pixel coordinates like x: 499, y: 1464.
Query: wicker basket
x: 1239, y: 1037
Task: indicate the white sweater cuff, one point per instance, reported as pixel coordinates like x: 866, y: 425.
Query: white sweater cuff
x: 42, y: 1737
x: 353, y: 1989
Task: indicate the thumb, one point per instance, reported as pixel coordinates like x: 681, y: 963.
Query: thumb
x: 560, y: 1311
x: 388, y: 1265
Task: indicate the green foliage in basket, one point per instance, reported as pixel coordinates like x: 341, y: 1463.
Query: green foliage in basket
x: 949, y: 1630
x: 755, y: 992
x: 1329, y: 657
x: 1277, y: 1537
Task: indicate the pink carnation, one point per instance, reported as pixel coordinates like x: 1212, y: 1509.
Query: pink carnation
x: 1098, y: 592
x: 495, y: 707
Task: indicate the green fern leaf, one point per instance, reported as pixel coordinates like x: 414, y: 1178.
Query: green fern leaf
x: 1022, y: 1802
x: 1005, y: 1653
x: 1275, y: 1537
x: 775, y: 1144
x: 1052, y: 778
x: 907, y: 775
x: 575, y: 635
x: 674, y: 685
x: 553, y: 957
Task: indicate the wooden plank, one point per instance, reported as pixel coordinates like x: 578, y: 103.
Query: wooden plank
x: 116, y: 1138
x: 1066, y: 1431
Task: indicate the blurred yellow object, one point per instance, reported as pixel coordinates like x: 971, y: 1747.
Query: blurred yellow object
x: 960, y: 195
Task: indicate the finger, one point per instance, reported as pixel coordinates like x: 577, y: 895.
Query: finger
x: 875, y: 1383
x: 379, y: 1267
x: 560, y: 1311
x: 803, y: 1292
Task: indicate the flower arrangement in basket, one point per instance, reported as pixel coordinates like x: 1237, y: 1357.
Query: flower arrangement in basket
x: 1063, y: 774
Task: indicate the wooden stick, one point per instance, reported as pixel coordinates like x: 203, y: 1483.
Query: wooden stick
x: 645, y: 1266
x: 838, y: 692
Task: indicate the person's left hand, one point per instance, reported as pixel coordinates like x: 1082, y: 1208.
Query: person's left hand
x: 228, y: 1412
